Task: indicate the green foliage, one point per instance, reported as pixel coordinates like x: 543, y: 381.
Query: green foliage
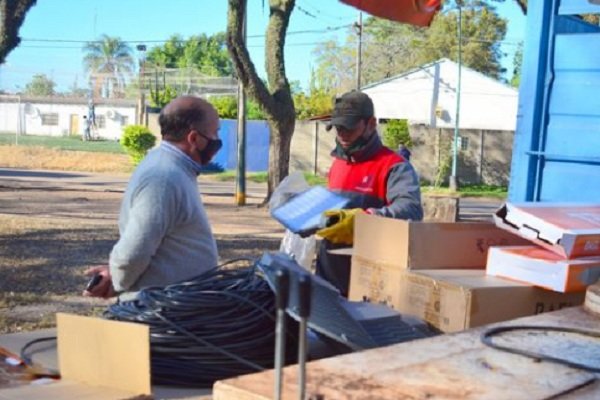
x: 497, y: 192
x: 109, y: 61
x: 445, y: 165
x: 335, y: 65
x: 314, y: 180
x: 137, y: 140
x: 396, y: 133
x: 317, y: 102
x: 206, y: 54
x: 230, y: 176
x: 161, y: 97
x: 261, y: 177
x: 390, y: 48
x: 40, y: 85
x: 227, y: 108
x: 500, y: 192
x: 253, y: 110
x: 517, y: 65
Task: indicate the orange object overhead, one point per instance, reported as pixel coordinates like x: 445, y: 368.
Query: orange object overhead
x: 414, y: 12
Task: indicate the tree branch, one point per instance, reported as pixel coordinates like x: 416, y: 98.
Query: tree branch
x: 241, y: 58
x: 12, y: 15
x: 522, y: 5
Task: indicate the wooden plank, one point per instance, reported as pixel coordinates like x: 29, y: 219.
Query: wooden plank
x: 65, y: 390
x: 448, y: 366
x: 104, y: 353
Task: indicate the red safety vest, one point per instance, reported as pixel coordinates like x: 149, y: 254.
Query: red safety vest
x: 367, y: 177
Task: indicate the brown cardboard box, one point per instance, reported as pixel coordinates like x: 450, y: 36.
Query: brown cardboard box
x: 99, y: 352
x: 453, y: 300
x: 401, y: 244
x: 570, y: 230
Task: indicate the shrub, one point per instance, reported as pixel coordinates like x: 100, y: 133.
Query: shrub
x: 160, y: 98
x: 227, y: 108
x: 396, y: 133
x: 137, y: 140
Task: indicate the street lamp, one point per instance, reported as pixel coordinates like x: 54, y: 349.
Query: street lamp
x: 454, y: 178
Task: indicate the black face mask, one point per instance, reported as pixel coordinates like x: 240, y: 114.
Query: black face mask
x: 212, y: 147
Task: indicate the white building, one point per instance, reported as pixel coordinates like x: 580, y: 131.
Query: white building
x: 58, y: 116
x: 427, y: 96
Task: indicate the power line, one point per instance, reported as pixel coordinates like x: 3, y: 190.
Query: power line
x: 303, y: 11
x: 291, y: 33
x: 321, y: 13
x: 301, y: 44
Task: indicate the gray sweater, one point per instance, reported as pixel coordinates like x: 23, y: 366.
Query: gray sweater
x: 165, y: 236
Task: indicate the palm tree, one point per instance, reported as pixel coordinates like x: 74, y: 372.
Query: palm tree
x: 109, y: 62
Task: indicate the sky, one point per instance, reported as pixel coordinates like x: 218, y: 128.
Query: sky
x: 54, y: 33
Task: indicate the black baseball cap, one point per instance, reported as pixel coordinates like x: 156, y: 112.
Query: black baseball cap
x: 350, y: 108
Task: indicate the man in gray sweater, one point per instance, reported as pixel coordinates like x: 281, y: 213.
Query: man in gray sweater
x: 165, y: 236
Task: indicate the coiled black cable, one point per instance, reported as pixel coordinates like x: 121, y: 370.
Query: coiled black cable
x: 488, y: 335
x: 217, y: 325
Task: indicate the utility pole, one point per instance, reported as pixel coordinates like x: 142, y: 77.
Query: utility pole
x: 454, y: 184
x: 359, y: 28
x: 240, y: 187
x: 142, y: 99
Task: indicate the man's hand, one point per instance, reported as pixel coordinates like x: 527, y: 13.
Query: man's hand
x: 342, y: 231
x: 104, y: 288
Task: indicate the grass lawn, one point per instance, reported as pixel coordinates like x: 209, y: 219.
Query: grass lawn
x: 497, y: 192
x: 71, y: 153
x: 261, y: 177
x: 73, y: 143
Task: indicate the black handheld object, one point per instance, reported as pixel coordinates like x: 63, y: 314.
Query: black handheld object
x: 282, y: 287
x: 96, y: 279
x: 282, y: 282
x: 304, y: 290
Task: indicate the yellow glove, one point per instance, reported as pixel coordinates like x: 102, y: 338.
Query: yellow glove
x: 342, y: 231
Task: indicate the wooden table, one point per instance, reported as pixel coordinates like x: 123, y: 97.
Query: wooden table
x: 453, y: 366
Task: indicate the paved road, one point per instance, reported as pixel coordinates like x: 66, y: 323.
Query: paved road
x: 469, y: 209
x: 57, y: 180
x: 477, y: 209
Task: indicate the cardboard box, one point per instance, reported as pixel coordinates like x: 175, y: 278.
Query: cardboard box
x: 454, y: 300
x: 99, y: 352
x: 569, y: 230
x: 540, y: 267
x: 401, y: 244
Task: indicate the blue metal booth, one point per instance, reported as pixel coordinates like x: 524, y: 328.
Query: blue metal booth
x: 556, y: 153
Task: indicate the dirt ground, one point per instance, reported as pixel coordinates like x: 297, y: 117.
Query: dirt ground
x: 48, y: 235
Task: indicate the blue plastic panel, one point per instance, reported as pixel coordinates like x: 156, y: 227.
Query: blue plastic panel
x: 532, y: 95
x: 571, y: 182
x: 257, y: 145
x: 556, y: 154
x: 572, y: 7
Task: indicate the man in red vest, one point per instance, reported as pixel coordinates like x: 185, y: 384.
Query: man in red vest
x: 376, y: 179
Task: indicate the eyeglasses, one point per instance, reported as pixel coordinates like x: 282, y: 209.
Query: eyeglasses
x: 212, y: 145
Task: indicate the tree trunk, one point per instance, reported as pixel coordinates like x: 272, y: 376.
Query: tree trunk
x: 12, y: 15
x: 279, y: 152
x: 276, y: 99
